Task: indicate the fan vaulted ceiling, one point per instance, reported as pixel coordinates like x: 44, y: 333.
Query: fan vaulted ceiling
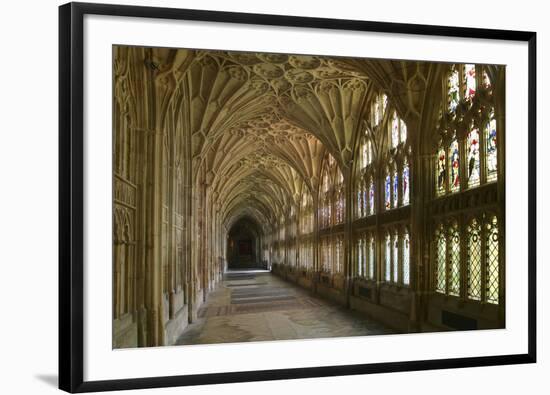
x: 262, y: 123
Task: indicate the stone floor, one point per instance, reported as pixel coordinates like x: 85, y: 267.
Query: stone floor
x: 257, y: 306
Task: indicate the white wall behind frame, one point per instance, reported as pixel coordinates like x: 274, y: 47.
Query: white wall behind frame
x: 28, y: 157
x: 102, y: 363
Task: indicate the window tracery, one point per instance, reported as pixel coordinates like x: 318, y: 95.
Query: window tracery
x: 467, y: 130
x: 366, y: 258
x: 332, y: 194
x: 481, y: 260
x: 397, y: 255
x: 364, y: 184
x: 378, y: 109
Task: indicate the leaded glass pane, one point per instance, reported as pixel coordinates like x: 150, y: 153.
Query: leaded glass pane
x: 441, y: 172
x: 394, y: 130
x: 491, y: 149
x: 454, y: 262
x: 340, y: 208
x: 359, y: 202
x: 473, y: 158
x: 441, y: 246
x: 325, y: 181
x: 405, y: 183
x: 376, y: 112
x: 395, y: 258
x: 360, y: 258
x: 452, y: 90
x: 388, y: 192
x: 402, y: 131
x: 388, y: 259
x: 364, y: 256
x: 469, y: 81
x: 364, y: 155
x: 364, y: 199
x: 454, y: 165
x: 492, y: 261
x: 336, y: 256
x: 395, y: 188
x: 406, y: 259
x: 341, y: 254
x: 371, y: 198
x: 371, y: 258
x: 474, y: 260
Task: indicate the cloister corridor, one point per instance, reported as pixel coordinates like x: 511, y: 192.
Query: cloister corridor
x: 262, y: 196
x: 255, y: 305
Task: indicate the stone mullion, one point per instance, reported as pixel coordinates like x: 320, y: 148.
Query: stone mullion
x: 462, y: 229
x: 379, y: 240
x: 483, y: 235
x: 316, y: 242
x: 171, y: 245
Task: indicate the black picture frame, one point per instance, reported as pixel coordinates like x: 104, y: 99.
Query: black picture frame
x: 71, y: 195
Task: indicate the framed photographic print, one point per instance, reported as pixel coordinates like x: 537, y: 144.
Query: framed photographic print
x: 239, y: 188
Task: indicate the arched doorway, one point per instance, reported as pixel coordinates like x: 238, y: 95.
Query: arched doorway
x: 244, y: 241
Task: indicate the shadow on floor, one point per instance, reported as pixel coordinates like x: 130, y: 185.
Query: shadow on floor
x: 50, y: 379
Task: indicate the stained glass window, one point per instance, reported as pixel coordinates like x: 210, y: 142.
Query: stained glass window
x: 388, y: 191
x: 491, y: 148
x: 402, y: 131
x: 339, y: 254
x: 406, y: 258
x: 325, y: 181
x: 360, y: 201
x: 394, y: 130
x: 366, y: 153
x: 376, y: 112
x: 371, y: 258
x: 371, y: 197
x: 441, y: 172
x: 340, y: 206
x: 473, y: 158
x: 364, y: 199
x: 328, y: 211
x: 405, y: 182
x: 454, y: 261
x: 395, y: 189
x: 474, y: 260
x: 492, y: 280
x: 454, y: 165
x: 469, y: 81
x: 364, y: 156
x: 360, y: 258
x: 395, y: 257
x: 452, y: 90
x: 441, y: 247
x: 379, y: 108
x: 388, y: 258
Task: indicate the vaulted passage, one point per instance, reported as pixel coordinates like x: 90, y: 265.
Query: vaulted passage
x: 263, y: 196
